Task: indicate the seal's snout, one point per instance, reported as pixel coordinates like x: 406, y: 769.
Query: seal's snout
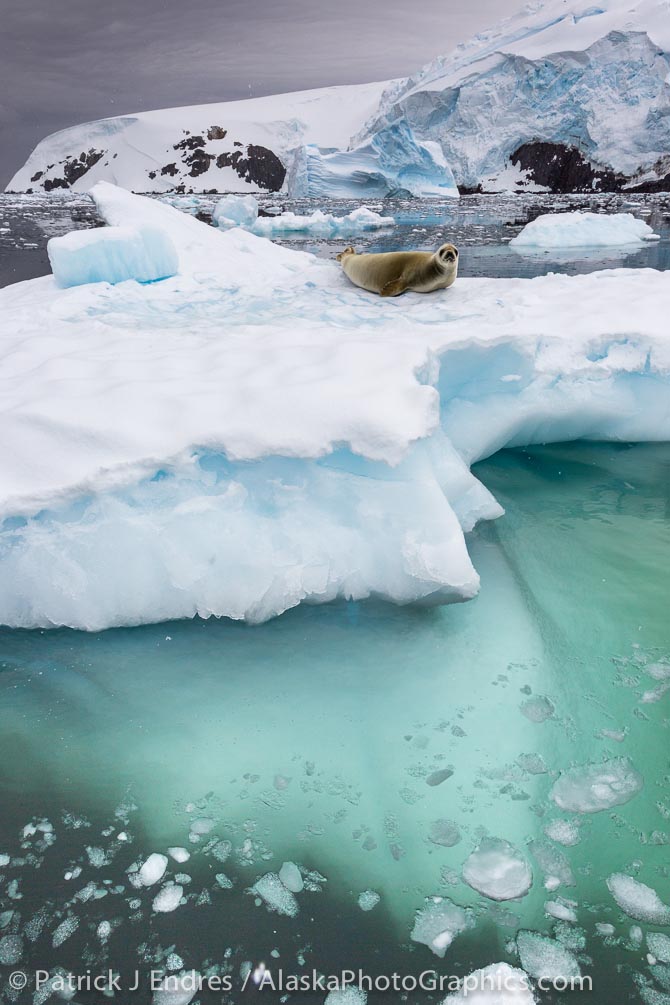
x: 448, y: 253
x: 451, y: 255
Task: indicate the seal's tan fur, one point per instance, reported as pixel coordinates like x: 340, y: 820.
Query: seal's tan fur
x: 395, y: 272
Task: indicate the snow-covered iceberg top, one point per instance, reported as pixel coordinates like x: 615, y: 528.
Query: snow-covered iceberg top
x: 242, y: 211
x: 583, y: 230
x: 256, y: 431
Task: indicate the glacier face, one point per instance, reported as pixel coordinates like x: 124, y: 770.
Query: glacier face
x: 324, y: 436
x: 565, y: 96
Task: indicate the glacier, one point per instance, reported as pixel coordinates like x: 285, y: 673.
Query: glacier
x: 565, y: 96
x: 254, y: 432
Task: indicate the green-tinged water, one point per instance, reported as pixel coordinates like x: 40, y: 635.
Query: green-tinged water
x: 326, y: 738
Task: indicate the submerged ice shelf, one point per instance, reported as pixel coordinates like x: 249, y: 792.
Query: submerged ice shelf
x: 255, y: 431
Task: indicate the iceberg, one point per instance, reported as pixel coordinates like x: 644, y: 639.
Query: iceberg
x: 235, y: 211
x: 583, y: 230
x: 325, y: 436
x: 242, y: 211
x: 112, y: 255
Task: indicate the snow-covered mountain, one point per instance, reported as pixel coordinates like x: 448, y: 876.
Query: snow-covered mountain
x: 567, y: 95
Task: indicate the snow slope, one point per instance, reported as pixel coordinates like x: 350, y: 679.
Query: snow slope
x: 566, y: 95
x: 255, y: 431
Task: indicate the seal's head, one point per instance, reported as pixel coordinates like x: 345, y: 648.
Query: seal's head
x: 347, y: 251
x: 447, y: 256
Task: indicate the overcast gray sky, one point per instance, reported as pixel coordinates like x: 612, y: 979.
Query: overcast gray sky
x: 69, y: 61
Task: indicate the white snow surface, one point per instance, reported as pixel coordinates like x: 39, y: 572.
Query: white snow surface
x: 593, y: 76
x: 583, y: 230
x: 255, y: 431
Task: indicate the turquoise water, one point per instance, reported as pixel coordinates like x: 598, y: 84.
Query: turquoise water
x: 312, y: 739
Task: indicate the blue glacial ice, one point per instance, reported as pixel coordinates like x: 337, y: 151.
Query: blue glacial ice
x: 242, y: 211
x: 112, y: 255
x: 391, y: 160
x: 324, y: 436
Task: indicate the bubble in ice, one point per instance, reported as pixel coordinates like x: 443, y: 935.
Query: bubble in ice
x: 438, y: 922
x: 590, y: 788
x: 368, y: 900
x: 498, y: 870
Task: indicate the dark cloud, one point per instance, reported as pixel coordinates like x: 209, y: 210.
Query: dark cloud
x: 68, y: 61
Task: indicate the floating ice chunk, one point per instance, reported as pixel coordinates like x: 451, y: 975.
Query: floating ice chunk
x: 275, y: 895
x: 346, y: 996
x: 534, y: 764
x: 538, y: 709
x: 498, y: 870
x: 659, y: 945
x: 368, y: 900
x: 235, y: 211
x: 590, y: 788
x: 554, y: 864
x: 604, y: 928
x: 321, y: 224
x: 153, y: 869
x: 104, y: 930
x: 4, y: 860
x: 168, y: 899
x: 66, y: 928
x: 444, y: 832
x: 437, y: 777
x: 179, y: 854
x: 659, y: 671
x: 177, y: 989
x: 638, y: 900
x: 223, y: 881
x: 112, y: 255
x: 200, y: 826
x: 221, y: 851
x: 290, y: 876
x: 497, y: 984
x: 636, y: 935
x: 583, y: 230
x: 544, y: 957
x: 438, y: 922
x: 565, y: 832
x: 11, y: 949
x: 560, y: 910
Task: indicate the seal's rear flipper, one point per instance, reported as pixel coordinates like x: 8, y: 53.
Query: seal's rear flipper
x: 394, y: 288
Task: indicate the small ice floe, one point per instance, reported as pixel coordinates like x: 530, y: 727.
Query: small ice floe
x: 565, y: 832
x: 66, y: 928
x: 4, y: 860
x: 497, y: 984
x: 444, y: 832
x: 498, y: 870
x: 437, y: 777
x: 242, y: 211
x: 539, y: 708
x: 291, y: 877
x: 11, y: 949
x: 168, y: 899
x: 590, y: 788
x: 562, y: 910
x: 604, y: 928
x: 583, y: 230
x: 200, y: 827
x: 346, y: 996
x: 179, y: 854
x: 638, y: 900
x: 220, y: 851
x: 112, y: 255
x: 177, y: 989
x: 368, y: 900
x: 270, y: 889
x: 659, y: 946
x: 554, y: 864
x: 153, y: 870
x: 544, y: 957
x: 438, y: 922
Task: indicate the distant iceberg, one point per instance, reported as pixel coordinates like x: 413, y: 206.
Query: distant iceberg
x: 324, y: 436
x: 242, y: 211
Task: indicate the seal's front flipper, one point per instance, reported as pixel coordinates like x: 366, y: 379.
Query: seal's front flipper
x: 394, y: 288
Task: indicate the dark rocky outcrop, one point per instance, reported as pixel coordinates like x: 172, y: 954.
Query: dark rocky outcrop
x: 564, y: 169
x: 259, y: 166
x: 73, y: 169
